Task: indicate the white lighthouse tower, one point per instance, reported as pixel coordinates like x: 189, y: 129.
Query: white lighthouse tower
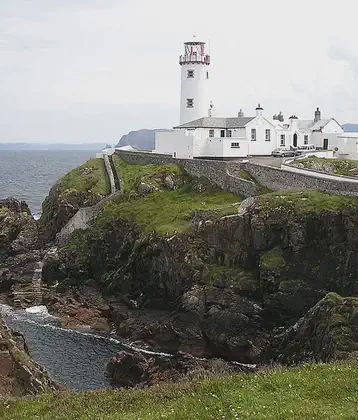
x: 194, y: 97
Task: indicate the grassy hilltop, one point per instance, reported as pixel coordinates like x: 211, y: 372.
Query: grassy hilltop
x: 326, y: 392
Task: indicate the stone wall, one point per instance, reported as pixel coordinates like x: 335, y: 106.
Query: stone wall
x: 215, y: 171
x: 278, y: 179
x: 110, y: 174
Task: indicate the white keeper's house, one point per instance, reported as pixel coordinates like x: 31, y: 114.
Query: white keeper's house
x: 202, y: 134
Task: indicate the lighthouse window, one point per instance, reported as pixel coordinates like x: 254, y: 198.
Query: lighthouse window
x: 190, y: 74
x: 190, y: 103
x: 253, y: 134
x: 207, y: 75
x: 235, y: 145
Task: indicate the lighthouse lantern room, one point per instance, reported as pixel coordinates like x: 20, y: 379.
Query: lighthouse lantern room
x: 194, y: 98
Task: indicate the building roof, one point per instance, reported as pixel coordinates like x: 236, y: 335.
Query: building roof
x: 213, y: 122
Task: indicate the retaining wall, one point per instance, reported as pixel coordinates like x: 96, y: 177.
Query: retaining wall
x: 215, y: 171
x: 277, y: 179
x: 110, y: 174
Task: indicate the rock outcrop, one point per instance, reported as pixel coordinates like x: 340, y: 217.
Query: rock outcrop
x: 19, y: 374
x: 329, y: 331
x: 223, y: 289
x: 134, y: 369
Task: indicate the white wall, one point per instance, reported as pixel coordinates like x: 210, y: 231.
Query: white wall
x: 178, y: 143
x: 332, y: 127
x: 260, y: 146
x: 196, y: 88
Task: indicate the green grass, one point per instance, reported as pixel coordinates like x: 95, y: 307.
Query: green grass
x: 320, y: 392
x: 132, y: 174
x: 168, y: 211
x: 301, y: 201
x: 345, y: 167
x: 273, y: 259
x: 91, y: 176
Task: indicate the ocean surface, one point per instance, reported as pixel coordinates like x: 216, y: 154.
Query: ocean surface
x: 29, y: 175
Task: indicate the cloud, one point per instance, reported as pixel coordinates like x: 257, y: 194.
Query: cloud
x: 79, y: 68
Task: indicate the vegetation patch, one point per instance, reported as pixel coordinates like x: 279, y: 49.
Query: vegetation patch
x: 131, y: 175
x: 314, y: 391
x: 346, y: 167
x: 302, y: 201
x: 273, y: 259
x: 90, y: 177
x: 239, y: 278
x: 166, y: 211
x: 163, y: 198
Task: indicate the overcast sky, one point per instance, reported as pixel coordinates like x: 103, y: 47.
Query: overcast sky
x: 92, y: 70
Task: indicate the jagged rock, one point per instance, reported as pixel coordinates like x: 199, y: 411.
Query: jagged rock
x: 16, y: 227
x: 129, y: 369
x: 329, y: 331
x: 20, y: 375
x: 59, y: 207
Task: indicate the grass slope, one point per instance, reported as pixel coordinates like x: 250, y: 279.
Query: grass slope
x: 91, y: 176
x: 301, y: 201
x: 168, y: 211
x: 132, y: 174
x: 323, y: 392
x: 164, y: 211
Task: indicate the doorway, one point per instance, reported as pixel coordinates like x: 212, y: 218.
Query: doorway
x: 325, y: 144
x: 295, y: 140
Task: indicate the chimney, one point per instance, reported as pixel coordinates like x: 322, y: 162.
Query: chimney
x: 259, y: 110
x: 240, y: 114
x: 278, y: 117
x: 317, y: 115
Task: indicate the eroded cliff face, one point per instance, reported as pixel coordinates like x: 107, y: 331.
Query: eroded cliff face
x: 227, y: 288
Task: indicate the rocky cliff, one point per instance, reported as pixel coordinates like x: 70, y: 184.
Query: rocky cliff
x: 180, y: 266
x: 229, y: 285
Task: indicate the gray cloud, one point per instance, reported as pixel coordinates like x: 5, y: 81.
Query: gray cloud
x: 75, y: 70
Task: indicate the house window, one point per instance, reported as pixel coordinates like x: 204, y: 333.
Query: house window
x: 282, y: 140
x: 222, y: 133
x: 207, y: 75
x: 228, y: 133
x: 253, y: 134
x: 235, y: 145
x: 305, y: 139
x: 190, y: 74
x: 190, y: 103
x: 211, y: 133
x: 268, y: 135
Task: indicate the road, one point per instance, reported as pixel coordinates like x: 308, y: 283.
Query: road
x: 267, y: 160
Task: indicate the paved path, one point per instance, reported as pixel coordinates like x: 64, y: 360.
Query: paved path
x: 267, y: 161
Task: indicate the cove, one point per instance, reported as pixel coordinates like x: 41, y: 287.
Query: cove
x: 74, y: 358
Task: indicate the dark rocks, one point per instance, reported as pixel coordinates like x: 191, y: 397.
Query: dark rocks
x: 329, y: 331
x: 133, y: 369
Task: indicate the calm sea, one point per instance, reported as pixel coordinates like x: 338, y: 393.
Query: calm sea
x: 29, y: 175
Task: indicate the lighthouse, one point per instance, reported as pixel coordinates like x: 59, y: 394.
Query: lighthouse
x: 195, y: 77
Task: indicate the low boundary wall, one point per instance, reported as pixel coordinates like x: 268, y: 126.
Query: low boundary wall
x: 215, y: 171
x: 277, y: 179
